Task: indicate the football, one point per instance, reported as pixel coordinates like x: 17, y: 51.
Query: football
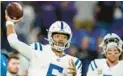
x: 14, y: 10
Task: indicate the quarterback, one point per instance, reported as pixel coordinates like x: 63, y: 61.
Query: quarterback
x: 111, y: 65
x: 47, y: 60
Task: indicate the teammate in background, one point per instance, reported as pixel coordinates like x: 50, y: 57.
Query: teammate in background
x: 111, y: 65
x: 13, y: 65
x: 47, y: 60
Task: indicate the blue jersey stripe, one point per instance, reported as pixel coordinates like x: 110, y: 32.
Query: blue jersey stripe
x: 40, y: 47
x: 76, y: 62
x: 95, y: 64
x: 62, y: 25
x: 36, y: 46
x: 92, y: 67
x: 79, y: 65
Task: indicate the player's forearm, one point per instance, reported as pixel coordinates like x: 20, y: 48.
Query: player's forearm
x: 10, y: 28
x: 21, y: 47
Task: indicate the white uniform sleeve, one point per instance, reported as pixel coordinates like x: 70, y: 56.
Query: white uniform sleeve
x: 79, y: 71
x: 21, y: 47
x: 78, y: 65
x: 92, y: 69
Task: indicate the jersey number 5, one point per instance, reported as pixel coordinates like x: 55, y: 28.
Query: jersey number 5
x: 54, y: 67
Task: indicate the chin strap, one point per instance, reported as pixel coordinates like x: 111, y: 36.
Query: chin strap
x: 58, y: 48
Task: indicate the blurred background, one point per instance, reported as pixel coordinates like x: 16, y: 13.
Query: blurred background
x: 90, y: 21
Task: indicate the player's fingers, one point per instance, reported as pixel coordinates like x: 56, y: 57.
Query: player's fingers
x: 71, y: 68
x: 72, y: 63
x: 7, y: 17
x: 20, y: 18
x: 69, y: 63
x: 5, y: 12
x: 73, y: 72
x: 16, y: 21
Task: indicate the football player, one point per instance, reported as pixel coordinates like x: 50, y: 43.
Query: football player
x: 13, y: 65
x: 47, y: 60
x: 111, y: 65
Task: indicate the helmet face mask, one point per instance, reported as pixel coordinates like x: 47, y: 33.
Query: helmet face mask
x: 59, y: 27
x: 116, y: 40
x: 59, y: 43
x: 111, y: 40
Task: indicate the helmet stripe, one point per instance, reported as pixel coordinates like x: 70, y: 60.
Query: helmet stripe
x: 62, y: 25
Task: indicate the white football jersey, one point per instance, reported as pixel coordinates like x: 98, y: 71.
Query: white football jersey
x: 44, y: 62
x: 99, y: 67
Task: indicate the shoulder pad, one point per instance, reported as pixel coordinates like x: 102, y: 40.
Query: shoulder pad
x: 95, y: 63
x: 78, y: 63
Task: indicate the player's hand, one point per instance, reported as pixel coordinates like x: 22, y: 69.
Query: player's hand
x: 99, y: 71
x: 9, y: 19
x: 72, y: 68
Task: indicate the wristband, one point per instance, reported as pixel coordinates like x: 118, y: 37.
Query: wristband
x: 9, y: 23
